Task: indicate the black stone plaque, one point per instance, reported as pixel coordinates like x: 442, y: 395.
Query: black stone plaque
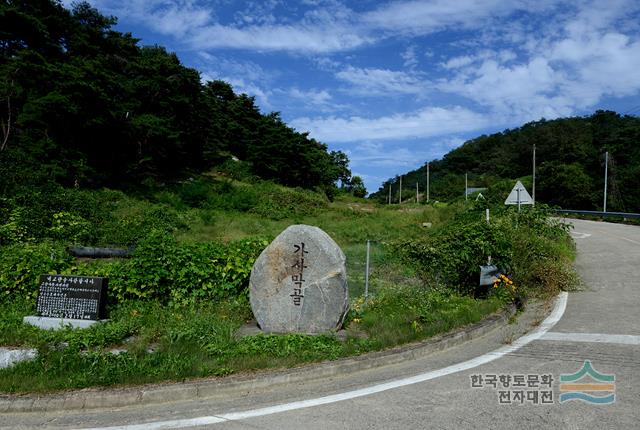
x: 73, y: 297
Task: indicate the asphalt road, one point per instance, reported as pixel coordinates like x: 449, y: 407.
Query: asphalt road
x: 601, y: 324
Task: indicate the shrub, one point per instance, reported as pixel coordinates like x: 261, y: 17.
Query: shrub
x: 132, y: 220
x: 163, y: 269
x: 70, y: 227
x: 195, y: 193
x: 13, y: 228
x: 230, y: 197
x: 453, y: 254
x: 22, y: 264
x: 520, y: 244
x: 101, y: 217
x: 277, y: 202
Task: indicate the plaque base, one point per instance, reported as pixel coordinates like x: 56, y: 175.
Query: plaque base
x: 48, y: 323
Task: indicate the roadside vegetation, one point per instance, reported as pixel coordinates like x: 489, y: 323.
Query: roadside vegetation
x: 177, y: 304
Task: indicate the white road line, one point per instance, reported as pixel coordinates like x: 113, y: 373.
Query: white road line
x: 579, y: 235
x: 630, y: 240
x: 544, y: 327
x: 619, y: 237
x: 624, y: 339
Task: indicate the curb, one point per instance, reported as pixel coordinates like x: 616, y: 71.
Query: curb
x: 92, y: 398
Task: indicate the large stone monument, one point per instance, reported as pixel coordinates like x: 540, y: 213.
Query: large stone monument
x: 299, y: 283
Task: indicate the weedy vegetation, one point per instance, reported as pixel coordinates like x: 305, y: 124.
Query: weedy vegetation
x: 176, y: 305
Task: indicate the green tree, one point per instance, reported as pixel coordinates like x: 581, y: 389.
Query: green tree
x: 357, y: 187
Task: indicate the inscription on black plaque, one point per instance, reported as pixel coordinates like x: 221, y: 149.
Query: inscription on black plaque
x: 73, y: 297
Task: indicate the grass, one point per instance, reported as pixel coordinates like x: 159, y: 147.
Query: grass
x: 194, y: 338
x: 197, y: 341
x: 350, y: 223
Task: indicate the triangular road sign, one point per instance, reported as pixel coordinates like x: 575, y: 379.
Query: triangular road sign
x: 519, y: 195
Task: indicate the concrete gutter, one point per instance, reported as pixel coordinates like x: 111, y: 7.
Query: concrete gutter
x: 207, y: 388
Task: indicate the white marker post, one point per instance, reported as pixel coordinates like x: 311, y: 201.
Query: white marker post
x: 366, y: 274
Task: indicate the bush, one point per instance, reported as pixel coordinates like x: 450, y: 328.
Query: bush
x: 70, y: 227
x: 228, y: 197
x: 13, y: 228
x: 163, y: 269
x: 277, y: 202
x: 22, y: 264
x: 131, y: 220
x: 453, y: 254
x: 238, y: 170
x: 521, y: 244
x: 195, y: 193
x: 264, y: 198
x: 104, y: 217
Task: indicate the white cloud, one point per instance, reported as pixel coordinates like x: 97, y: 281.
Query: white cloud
x: 459, y: 62
x: 247, y: 70
x: 309, y: 27
x: 410, y: 57
x: 379, y: 157
x: 376, y: 82
x: 196, y: 24
x: 521, y: 90
x: 173, y: 17
x: 427, y: 122
x: 417, y: 17
x: 567, y: 68
x: 313, y: 96
x: 319, y: 39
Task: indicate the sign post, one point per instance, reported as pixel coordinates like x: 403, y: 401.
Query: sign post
x: 519, y: 196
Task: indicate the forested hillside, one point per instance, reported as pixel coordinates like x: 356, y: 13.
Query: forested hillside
x: 570, y: 155
x: 84, y: 105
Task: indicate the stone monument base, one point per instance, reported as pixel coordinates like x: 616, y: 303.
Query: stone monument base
x: 48, y: 323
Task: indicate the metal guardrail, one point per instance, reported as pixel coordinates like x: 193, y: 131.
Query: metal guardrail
x: 598, y: 213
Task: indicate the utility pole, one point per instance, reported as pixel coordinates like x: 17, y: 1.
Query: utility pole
x: 366, y: 274
x: 534, y: 175
x: 466, y: 194
x: 400, y: 197
x: 427, y: 182
x: 389, y: 192
x: 606, y: 177
x: 417, y: 192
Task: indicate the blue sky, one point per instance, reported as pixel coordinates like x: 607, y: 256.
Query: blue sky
x: 394, y: 84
